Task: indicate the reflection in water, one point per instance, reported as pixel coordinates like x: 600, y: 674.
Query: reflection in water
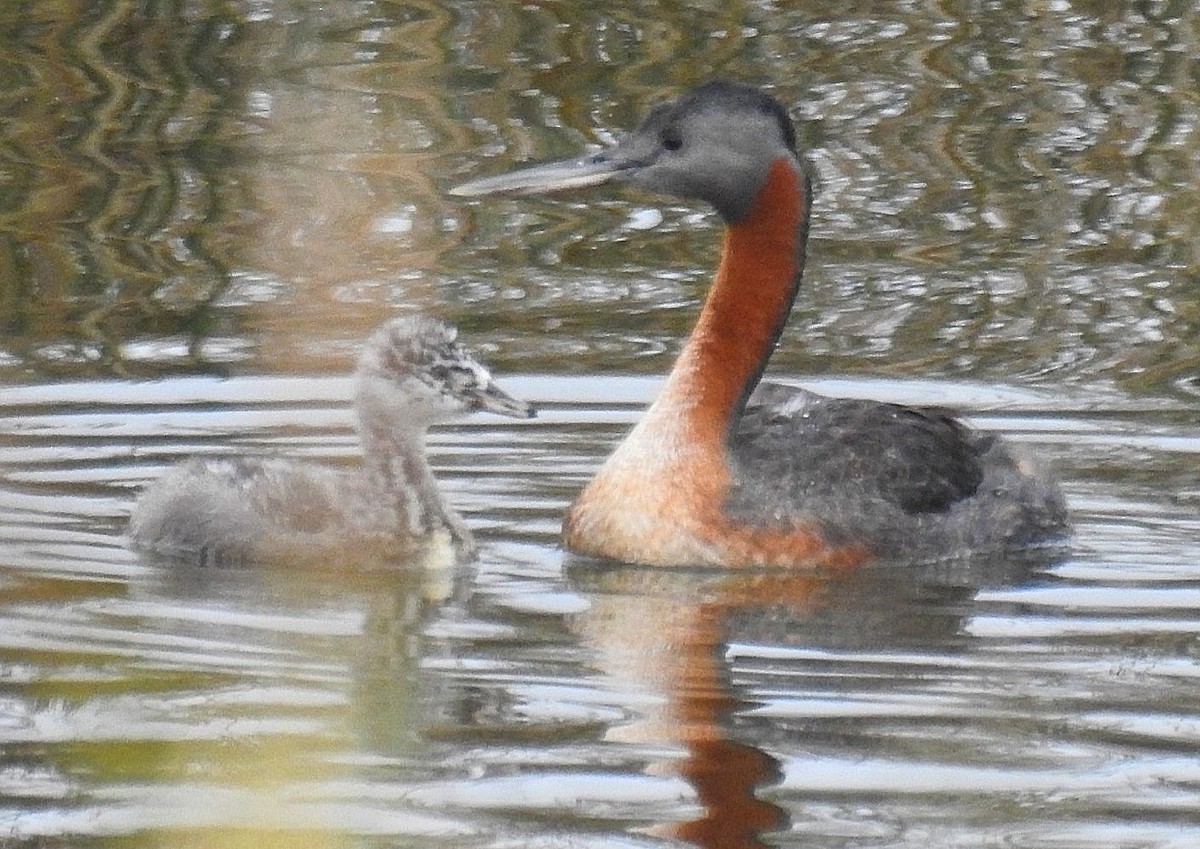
x: 1000, y: 191
x: 118, y: 126
x: 177, y: 173
x: 666, y: 633
x: 213, y: 707
x: 525, y: 709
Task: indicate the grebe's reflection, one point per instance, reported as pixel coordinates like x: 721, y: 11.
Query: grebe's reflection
x: 664, y: 634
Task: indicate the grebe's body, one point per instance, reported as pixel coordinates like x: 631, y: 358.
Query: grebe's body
x: 711, y: 475
x: 412, y: 374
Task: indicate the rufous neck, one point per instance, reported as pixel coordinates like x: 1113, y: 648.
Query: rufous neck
x: 762, y: 259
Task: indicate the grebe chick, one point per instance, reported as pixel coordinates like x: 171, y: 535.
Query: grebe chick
x: 713, y: 476
x: 411, y: 374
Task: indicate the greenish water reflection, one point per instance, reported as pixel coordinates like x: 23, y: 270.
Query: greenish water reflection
x: 1005, y: 190
x: 118, y: 117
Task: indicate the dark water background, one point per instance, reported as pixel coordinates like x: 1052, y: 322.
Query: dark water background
x: 205, y: 206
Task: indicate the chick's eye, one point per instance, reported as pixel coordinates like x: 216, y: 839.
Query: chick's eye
x: 461, y: 378
x: 671, y: 140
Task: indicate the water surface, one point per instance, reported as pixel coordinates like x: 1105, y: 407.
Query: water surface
x: 206, y: 206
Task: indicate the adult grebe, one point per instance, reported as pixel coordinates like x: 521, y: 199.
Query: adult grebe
x: 412, y: 374
x: 787, y: 478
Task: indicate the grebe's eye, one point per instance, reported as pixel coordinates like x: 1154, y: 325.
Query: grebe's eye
x: 461, y: 378
x: 671, y: 140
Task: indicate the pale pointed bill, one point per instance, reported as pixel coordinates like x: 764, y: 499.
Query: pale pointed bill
x: 551, y: 177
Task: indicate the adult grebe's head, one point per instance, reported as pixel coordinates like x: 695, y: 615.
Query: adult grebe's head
x: 414, y: 373
x: 715, y: 143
